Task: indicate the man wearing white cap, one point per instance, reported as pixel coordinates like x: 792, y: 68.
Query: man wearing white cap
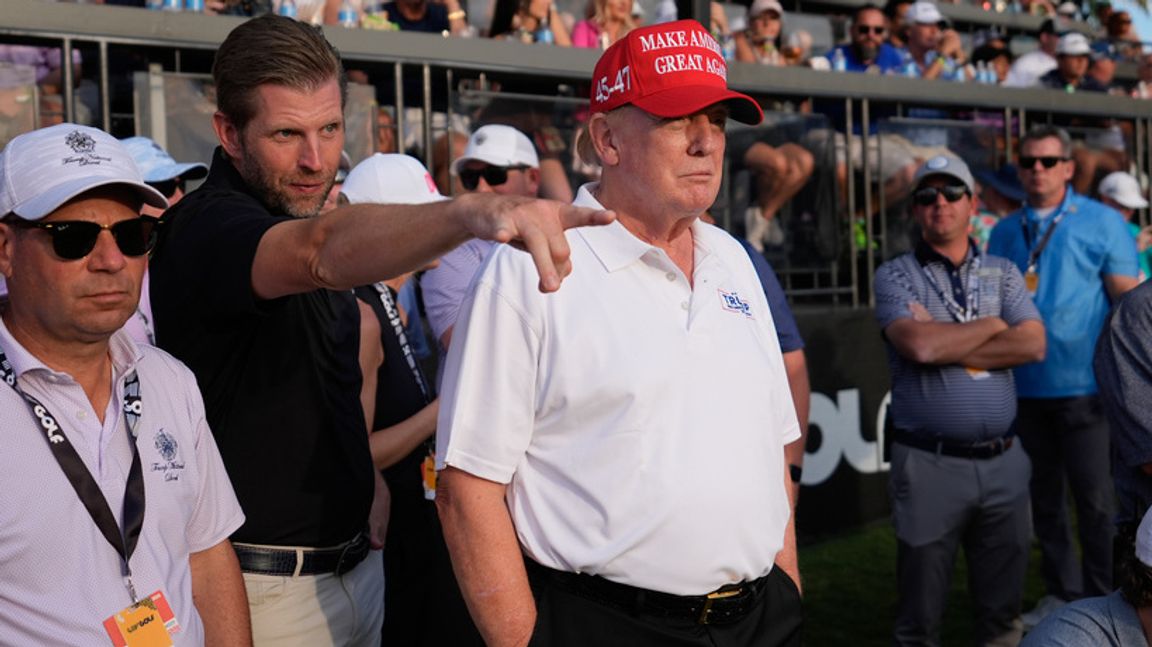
x: 592, y: 489
x: 1030, y: 66
x: 498, y: 159
x: 116, y: 508
x: 170, y: 178
x: 1122, y: 192
x: 935, y: 56
x: 956, y: 321
x: 422, y: 602
x: 1071, y: 73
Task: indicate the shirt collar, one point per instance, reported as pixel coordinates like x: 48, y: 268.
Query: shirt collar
x: 122, y: 349
x: 925, y: 255
x: 616, y: 247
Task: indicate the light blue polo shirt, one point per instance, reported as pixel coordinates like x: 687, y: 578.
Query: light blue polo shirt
x: 1090, y: 241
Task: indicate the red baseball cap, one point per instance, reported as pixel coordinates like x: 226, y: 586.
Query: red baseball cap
x: 669, y: 70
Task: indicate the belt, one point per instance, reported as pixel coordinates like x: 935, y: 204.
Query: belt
x: 290, y: 562
x: 979, y: 451
x: 725, y: 605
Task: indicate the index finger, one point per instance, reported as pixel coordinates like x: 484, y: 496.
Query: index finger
x: 548, y: 245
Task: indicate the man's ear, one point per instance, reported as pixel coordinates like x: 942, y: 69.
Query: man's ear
x: 229, y: 135
x: 603, y: 139
x: 7, y: 232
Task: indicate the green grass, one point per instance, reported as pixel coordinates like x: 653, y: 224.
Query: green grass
x: 850, y: 591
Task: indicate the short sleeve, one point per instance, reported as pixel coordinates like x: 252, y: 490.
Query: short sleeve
x: 894, y: 291
x: 787, y: 331
x: 445, y: 286
x: 487, y: 405
x: 1120, y: 255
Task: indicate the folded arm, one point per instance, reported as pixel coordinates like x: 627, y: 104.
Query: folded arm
x: 1020, y: 344
x: 936, y: 342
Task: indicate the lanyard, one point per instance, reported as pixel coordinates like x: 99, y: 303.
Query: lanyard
x: 398, y: 326
x: 971, y: 294
x: 123, y: 540
x: 1034, y: 253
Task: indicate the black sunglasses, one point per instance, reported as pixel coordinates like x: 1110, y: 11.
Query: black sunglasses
x: 927, y: 196
x: 879, y: 30
x: 493, y: 175
x: 75, y: 239
x: 1047, y: 161
x: 168, y: 187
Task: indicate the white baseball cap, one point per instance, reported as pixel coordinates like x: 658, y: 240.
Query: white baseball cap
x: 947, y: 165
x: 390, y: 178
x: 923, y: 13
x: 498, y: 145
x: 43, y: 169
x: 1144, y: 539
x: 156, y: 165
x: 1124, y: 189
x: 760, y: 6
x: 1073, y: 44
x: 1070, y: 9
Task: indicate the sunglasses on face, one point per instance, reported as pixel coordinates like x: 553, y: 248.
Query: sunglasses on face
x: 168, y: 187
x: 927, y: 196
x: 493, y: 175
x: 864, y: 30
x: 1047, y: 161
x: 75, y: 239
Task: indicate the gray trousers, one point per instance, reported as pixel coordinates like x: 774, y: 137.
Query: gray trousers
x: 940, y: 503
x: 1067, y: 440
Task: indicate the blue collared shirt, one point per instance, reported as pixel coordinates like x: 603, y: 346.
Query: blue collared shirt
x: 1090, y: 241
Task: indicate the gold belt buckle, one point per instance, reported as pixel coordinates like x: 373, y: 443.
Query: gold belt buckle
x: 713, y: 596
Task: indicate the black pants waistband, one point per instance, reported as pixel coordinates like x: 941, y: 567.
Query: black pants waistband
x: 978, y: 451
x: 287, y: 562
x: 725, y: 605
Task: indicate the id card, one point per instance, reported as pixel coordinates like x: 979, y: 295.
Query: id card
x: 428, y: 476
x: 1031, y: 281
x: 148, y: 623
x: 977, y: 373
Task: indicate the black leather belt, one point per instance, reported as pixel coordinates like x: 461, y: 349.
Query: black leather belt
x: 725, y: 605
x: 989, y: 449
x: 262, y: 560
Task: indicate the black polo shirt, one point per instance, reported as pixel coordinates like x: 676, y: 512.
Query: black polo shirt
x: 280, y: 378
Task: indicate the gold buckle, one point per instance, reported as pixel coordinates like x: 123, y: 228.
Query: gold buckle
x: 716, y: 595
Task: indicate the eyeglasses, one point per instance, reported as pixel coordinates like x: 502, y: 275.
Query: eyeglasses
x: 864, y: 30
x: 168, y: 187
x: 927, y: 196
x: 493, y: 175
x: 75, y: 239
x: 1047, y: 161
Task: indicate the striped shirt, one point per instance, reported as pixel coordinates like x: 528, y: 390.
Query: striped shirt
x: 951, y: 402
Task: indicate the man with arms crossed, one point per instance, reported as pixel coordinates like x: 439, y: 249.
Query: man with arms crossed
x: 253, y: 291
x: 592, y: 491
x: 116, y: 509
x: 955, y: 320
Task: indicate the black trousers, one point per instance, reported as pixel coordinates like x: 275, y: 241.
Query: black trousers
x: 566, y: 619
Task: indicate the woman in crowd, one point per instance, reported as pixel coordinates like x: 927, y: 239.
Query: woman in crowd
x: 522, y: 20
x: 609, y: 21
x: 760, y: 42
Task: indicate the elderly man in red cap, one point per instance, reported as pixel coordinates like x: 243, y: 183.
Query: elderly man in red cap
x: 594, y: 488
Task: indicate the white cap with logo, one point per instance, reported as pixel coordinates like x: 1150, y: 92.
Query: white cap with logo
x: 498, y: 145
x: 390, y: 179
x: 923, y: 13
x: 949, y: 166
x: 1124, y: 189
x: 43, y: 169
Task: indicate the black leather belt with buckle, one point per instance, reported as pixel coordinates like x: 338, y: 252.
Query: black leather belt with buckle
x: 984, y: 450
x: 725, y: 605
x: 262, y: 560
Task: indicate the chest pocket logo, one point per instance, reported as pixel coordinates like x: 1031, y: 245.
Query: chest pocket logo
x: 169, y: 451
x: 732, y: 302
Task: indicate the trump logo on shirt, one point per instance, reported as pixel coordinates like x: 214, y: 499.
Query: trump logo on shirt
x: 732, y: 302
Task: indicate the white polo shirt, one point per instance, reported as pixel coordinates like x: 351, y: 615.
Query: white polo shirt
x: 639, y: 421
x: 59, y: 577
